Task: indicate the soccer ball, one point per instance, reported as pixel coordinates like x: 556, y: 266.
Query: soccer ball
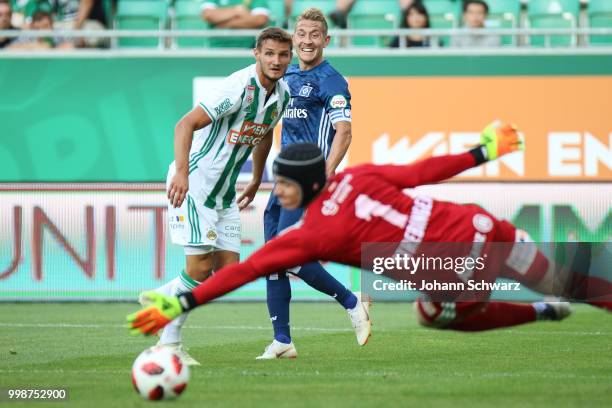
x: 159, y: 373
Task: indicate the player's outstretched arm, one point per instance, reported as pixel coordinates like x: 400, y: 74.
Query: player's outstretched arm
x: 281, y: 253
x: 496, y: 140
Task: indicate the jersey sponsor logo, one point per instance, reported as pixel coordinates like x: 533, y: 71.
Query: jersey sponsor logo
x: 223, y: 107
x: 250, y: 134
x: 305, y: 91
x: 338, y: 101
x: 295, y: 113
x: 176, y: 222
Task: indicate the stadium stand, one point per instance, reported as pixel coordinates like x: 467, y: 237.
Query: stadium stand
x: 187, y: 17
x: 553, y: 14
x: 326, y: 6
x: 504, y: 14
x: 277, y: 13
x: 444, y: 14
x: 141, y: 15
x: 600, y: 16
x: 371, y: 14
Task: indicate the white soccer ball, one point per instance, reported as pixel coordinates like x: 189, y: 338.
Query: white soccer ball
x: 159, y: 373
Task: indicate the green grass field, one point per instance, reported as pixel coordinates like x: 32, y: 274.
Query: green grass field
x: 84, y: 348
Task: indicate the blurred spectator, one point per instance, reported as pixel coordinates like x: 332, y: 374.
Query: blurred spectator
x: 475, y: 13
x: 23, y: 10
x: 340, y: 14
x: 404, y: 4
x: 6, y: 13
x: 415, y: 16
x: 41, y: 20
x: 235, y: 14
x: 80, y: 15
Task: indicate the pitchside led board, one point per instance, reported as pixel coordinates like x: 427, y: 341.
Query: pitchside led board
x: 100, y: 241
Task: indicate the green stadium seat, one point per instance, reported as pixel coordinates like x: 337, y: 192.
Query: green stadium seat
x: 277, y: 12
x: 372, y: 14
x: 187, y: 16
x: 444, y: 14
x: 326, y: 6
x: 600, y: 16
x: 141, y: 15
x: 504, y: 14
x: 553, y: 14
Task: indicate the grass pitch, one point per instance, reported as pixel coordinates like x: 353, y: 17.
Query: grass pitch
x: 85, y: 348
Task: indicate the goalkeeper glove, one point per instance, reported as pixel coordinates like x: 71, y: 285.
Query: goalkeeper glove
x: 151, y: 319
x: 501, y: 138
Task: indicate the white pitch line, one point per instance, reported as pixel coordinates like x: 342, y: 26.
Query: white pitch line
x: 118, y: 326
x: 404, y: 374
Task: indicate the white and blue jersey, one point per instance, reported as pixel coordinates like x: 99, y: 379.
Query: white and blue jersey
x: 319, y: 99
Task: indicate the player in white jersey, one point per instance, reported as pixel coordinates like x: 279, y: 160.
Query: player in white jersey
x: 211, y: 143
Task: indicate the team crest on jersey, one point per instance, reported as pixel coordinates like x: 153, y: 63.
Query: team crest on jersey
x: 274, y: 114
x: 211, y: 235
x: 305, y: 91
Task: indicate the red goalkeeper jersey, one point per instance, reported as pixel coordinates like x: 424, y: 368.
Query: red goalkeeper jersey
x: 363, y: 204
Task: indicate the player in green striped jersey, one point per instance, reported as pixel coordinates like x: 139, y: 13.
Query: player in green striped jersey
x: 211, y: 143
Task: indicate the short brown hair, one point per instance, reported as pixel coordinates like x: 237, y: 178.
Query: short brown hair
x: 313, y: 14
x: 274, y: 34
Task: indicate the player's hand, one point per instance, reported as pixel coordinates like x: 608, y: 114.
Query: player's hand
x: 177, y: 190
x: 248, y: 195
x: 151, y: 319
x: 501, y: 138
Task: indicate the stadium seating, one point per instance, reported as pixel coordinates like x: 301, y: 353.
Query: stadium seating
x: 277, y: 12
x: 141, y: 15
x: 187, y: 17
x: 600, y: 16
x: 326, y: 6
x: 371, y: 14
x: 444, y: 14
x: 504, y: 14
x: 553, y: 14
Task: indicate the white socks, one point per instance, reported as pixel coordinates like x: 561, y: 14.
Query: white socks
x: 181, y: 284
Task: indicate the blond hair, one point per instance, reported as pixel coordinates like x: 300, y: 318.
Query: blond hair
x: 313, y: 14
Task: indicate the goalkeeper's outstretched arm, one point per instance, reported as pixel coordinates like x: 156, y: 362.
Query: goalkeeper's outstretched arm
x: 495, y: 140
x: 283, y: 252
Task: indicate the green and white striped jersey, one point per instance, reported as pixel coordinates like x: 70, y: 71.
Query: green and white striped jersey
x: 240, y: 120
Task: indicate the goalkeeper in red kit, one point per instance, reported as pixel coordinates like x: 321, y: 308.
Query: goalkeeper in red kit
x: 367, y: 204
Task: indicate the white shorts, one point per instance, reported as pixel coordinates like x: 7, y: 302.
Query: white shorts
x: 201, y: 229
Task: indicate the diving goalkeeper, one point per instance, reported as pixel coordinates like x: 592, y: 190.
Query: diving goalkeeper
x: 366, y: 204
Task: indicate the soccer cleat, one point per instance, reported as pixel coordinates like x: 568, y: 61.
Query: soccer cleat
x: 276, y: 349
x: 180, y: 350
x: 501, y: 138
x: 552, y: 310
x: 360, y: 319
